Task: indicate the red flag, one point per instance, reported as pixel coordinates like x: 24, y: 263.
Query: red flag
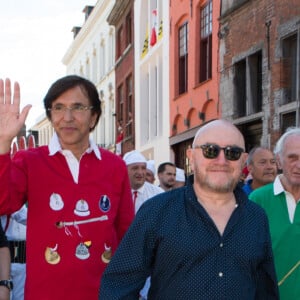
x: 153, y: 37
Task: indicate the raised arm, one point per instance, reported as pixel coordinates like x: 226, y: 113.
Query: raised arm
x: 11, y: 119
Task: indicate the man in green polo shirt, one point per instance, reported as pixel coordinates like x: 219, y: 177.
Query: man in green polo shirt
x: 280, y: 200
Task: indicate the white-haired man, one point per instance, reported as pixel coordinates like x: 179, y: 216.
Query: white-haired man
x: 280, y: 200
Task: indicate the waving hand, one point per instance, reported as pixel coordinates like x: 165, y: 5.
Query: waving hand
x: 11, y: 119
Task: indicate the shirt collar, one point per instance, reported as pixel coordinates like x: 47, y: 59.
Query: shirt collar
x: 141, y: 189
x: 278, y: 187
x: 54, y: 146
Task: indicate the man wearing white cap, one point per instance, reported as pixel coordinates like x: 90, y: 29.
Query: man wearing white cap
x: 141, y: 189
x: 150, y: 171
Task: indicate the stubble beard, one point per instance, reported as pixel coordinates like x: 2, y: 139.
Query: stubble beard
x: 206, y: 181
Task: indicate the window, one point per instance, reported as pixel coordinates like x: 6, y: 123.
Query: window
x: 128, y: 30
x: 129, y: 110
x: 102, y: 59
x: 289, y: 76
x: 248, y: 85
x: 288, y: 120
x: 88, y: 68
x: 120, y: 101
x: 94, y: 66
x: 206, y: 42
x: 111, y: 49
x: 183, y: 58
x: 119, y: 42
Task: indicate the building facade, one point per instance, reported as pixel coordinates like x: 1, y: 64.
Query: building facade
x: 42, y: 130
x: 152, y: 79
x: 121, y: 18
x: 92, y: 55
x: 194, y: 77
x: 259, y: 56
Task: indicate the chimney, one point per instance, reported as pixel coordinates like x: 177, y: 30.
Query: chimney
x: 87, y: 10
x: 75, y: 31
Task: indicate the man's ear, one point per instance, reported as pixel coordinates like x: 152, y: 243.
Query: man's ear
x: 278, y: 162
x: 189, y: 154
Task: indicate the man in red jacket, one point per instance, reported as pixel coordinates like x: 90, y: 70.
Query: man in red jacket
x: 79, y: 199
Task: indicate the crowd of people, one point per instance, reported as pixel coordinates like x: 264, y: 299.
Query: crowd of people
x: 85, y: 223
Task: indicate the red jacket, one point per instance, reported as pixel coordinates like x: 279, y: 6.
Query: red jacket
x: 68, y: 245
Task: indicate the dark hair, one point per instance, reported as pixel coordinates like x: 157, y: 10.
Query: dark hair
x: 162, y: 167
x: 68, y: 82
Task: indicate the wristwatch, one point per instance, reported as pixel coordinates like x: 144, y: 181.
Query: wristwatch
x: 7, y: 283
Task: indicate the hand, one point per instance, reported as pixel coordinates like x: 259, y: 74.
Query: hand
x: 11, y: 120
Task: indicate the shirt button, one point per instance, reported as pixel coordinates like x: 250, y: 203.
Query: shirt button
x: 221, y: 245
x: 220, y: 274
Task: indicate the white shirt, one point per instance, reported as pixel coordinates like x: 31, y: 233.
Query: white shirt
x: 73, y: 163
x: 290, y: 200
x: 146, y: 192
x: 16, y: 230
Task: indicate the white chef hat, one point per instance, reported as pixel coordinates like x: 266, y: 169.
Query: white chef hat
x: 151, y: 166
x: 180, y: 175
x: 134, y: 157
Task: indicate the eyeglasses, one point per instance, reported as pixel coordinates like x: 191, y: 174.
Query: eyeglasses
x: 212, y: 151
x: 75, y: 109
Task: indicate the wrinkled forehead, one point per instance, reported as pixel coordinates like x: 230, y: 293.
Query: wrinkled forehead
x: 291, y: 145
x: 263, y: 153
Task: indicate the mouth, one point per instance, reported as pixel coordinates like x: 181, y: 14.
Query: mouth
x: 219, y: 170
x: 68, y: 129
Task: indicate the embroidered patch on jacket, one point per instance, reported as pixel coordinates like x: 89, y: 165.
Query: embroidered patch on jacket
x: 104, y: 203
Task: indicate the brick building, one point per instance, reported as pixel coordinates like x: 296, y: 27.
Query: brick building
x: 121, y: 17
x: 260, y: 67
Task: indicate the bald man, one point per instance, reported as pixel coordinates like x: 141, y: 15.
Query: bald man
x: 205, y: 240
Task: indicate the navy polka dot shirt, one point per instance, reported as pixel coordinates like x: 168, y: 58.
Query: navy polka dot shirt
x: 173, y: 240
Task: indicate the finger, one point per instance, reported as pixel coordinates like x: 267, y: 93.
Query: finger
x: 7, y: 94
x: 17, y: 94
x: 24, y: 113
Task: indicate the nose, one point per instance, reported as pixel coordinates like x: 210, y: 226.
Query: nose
x: 68, y: 115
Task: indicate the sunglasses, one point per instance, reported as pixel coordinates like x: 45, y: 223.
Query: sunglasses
x: 212, y: 151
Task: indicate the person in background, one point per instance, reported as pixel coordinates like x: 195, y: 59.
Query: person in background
x: 6, y: 284
x: 141, y: 189
x: 150, y: 171
x: 180, y: 178
x: 15, y: 230
x: 79, y: 200
x: 262, y: 168
x: 141, y: 192
x: 280, y: 200
x: 205, y: 240
x: 166, y: 173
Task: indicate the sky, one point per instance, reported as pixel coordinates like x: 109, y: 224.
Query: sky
x: 34, y: 37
